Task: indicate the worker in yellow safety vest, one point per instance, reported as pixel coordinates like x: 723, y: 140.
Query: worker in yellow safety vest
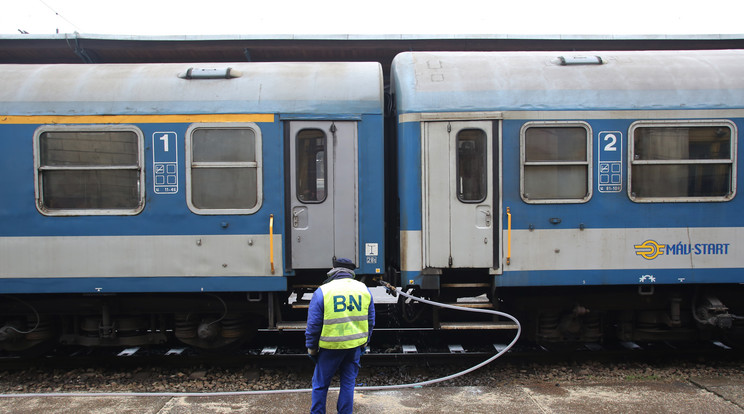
x: 340, y: 320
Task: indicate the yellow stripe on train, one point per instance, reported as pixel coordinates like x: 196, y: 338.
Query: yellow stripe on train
x: 133, y: 119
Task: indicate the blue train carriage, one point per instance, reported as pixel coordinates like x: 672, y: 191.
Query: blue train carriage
x: 142, y: 202
x: 592, y: 194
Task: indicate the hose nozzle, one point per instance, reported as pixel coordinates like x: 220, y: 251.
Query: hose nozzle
x: 389, y: 288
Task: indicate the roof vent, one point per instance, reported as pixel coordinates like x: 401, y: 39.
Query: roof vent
x: 194, y: 73
x: 579, y: 60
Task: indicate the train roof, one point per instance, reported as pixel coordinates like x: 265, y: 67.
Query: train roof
x: 93, y: 48
x: 203, y: 88
x: 549, y: 81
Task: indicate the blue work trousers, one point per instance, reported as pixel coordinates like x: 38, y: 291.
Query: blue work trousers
x: 346, y: 362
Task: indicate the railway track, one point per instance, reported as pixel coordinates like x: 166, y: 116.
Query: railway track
x: 389, y: 348
x: 285, y: 366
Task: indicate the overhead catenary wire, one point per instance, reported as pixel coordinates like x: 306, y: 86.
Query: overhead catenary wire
x: 390, y: 288
x: 56, y: 13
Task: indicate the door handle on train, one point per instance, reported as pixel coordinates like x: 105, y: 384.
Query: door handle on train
x: 271, y: 242
x: 488, y: 217
x: 296, y: 218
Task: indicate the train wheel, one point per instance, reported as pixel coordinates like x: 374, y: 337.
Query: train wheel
x: 210, y: 333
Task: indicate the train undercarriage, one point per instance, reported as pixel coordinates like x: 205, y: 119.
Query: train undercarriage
x: 219, y: 321
x: 586, y: 314
x: 208, y: 321
x: 628, y: 313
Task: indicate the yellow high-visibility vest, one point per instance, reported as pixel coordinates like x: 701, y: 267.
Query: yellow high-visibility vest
x: 345, y: 312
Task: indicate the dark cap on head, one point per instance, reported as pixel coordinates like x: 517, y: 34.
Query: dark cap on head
x: 345, y: 263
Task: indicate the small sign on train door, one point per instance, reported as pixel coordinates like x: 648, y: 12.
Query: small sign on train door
x: 610, y: 162
x: 371, y: 251
x: 165, y: 162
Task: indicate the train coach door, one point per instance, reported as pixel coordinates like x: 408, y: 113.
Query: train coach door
x: 458, y: 199
x: 323, y: 201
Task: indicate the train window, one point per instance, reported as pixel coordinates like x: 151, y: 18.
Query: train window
x: 682, y: 161
x: 89, y: 170
x: 311, y: 166
x: 224, y: 174
x: 471, y: 166
x: 555, y: 162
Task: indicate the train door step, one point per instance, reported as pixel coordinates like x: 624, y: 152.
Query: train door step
x: 465, y: 285
x: 301, y: 304
x: 497, y: 325
x: 291, y: 326
x: 473, y: 304
x: 311, y: 287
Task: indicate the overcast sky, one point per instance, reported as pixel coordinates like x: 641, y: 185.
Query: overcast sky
x: 496, y: 17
